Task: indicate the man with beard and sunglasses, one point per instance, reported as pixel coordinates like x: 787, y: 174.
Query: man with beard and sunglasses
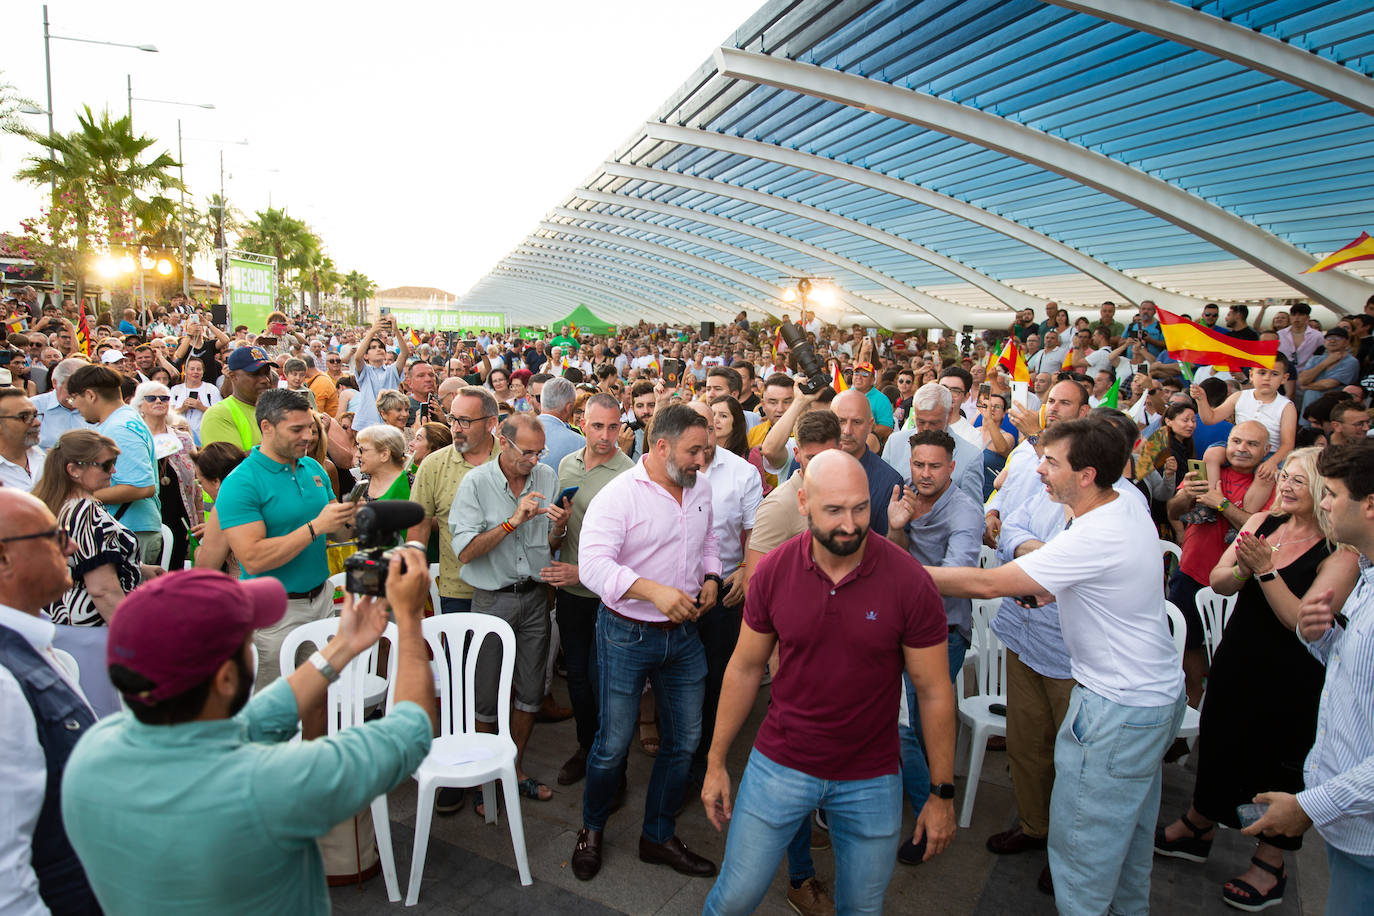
x: 848, y: 613
x: 196, y: 800
x: 649, y: 550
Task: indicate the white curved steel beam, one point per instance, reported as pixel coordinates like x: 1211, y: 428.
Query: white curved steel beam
x: 610, y: 304
x: 481, y: 295
x: 605, y: 299
x: 729, y: 293
x: 884, y: 315
x: 1252, y: 50
x: 950, y: 314
x: 1017, y: 299
x: 631, y: 288
x: 643, y: 278
x: 1127, y: 286
x: 1102, y: 173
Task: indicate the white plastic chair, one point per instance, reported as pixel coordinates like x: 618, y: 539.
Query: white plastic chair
x: 345, y: 706
x: 977, y: 721
x: 1192, y: 719
x: 462, y: 756
x: 1214, y: 610
x: 166, y: 556
x: 987, y: 557
x: 434, y: 587
x: 1166, y: 550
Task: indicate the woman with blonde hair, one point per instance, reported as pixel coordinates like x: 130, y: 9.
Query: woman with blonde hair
x: 1260, y: 714
x: 394, y: 408
x: 382, y: 460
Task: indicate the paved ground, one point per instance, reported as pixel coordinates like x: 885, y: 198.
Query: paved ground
x: 470, y: 867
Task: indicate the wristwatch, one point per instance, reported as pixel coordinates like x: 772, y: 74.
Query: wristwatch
x: 712, y: 577
x: 943, y: 790
x: 1269, y: 576
x: 322, y: 665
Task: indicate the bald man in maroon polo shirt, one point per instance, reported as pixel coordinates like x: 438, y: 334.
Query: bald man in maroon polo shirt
x: 848, y: 613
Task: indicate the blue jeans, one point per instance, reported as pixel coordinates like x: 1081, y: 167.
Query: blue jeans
x: 915, y: 769
x: 1352, y: 883
x: 454, y: 605
x: 865, y: 817
x: 673, y: 661
x: 1108, y: 766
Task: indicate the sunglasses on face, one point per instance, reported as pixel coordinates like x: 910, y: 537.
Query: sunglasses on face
x: 157, y: 398
x: 106, y: 466
x: 56, y: 534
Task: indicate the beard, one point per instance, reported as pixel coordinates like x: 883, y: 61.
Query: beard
x: 245, y: 689
x: 679, y: 476
x: 832, y: 541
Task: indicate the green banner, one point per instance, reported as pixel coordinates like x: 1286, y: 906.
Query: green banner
x: 449, y: 320
x: 252, y: 293
x: 530, y: 334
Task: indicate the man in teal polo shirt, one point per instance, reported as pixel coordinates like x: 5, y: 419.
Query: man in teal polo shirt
x: 276, y: 508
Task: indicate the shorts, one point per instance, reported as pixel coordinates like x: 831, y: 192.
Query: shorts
x: 528, y: 615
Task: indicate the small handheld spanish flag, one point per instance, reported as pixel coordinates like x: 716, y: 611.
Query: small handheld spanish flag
x: 414, y: 338
x: 1362, y: 249
x: 837, y: 379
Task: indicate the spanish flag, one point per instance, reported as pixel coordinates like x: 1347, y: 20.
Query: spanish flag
x: 83, y: 330
x: 1362, y: 249
x: 1013, y: 362
x: 414, y: 338
x: 574, y: 332
x: 1191, y: 343
x: 837, y: 378
x: 1068, y: 359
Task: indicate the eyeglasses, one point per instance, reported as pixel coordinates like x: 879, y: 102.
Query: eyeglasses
x: 25, y: 416
x: 1294, y: 479
x: 466, y: 422
x: 59, y: 535
x: 333, y: 362
x: 106, y: 466
x: 532, y: 454
x: 157, y: 398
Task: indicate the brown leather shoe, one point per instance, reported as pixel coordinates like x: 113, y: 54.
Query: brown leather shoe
x: 586, y: 857
x: 574, y: 769
x: 675, y: 853
x: 550, y: 711
x: 811, y: 899
x: 1010, y: 842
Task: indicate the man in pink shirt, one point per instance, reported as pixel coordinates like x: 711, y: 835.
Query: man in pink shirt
x: 649, y: 551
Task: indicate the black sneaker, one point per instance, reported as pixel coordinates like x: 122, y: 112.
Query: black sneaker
x: 448, y: 801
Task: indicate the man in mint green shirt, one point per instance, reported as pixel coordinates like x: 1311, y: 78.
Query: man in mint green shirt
x: 194, y: 801
x: 276, y: 508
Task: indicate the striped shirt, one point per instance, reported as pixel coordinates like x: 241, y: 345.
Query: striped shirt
x: 1339, y: 772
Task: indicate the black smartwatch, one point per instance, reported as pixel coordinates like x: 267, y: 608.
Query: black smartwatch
x: 1269, y: 576
x: 943, y: 790
x: 712, y: 577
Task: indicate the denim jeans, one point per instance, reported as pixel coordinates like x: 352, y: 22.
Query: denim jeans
x: 1352, y: 883
x: 915, y: 768
x: 865, y: 817
x: 673, y: 661
x: 454, y: 605
x: 719, y: 631
x: 577, y: 628
x: 1108, y: 765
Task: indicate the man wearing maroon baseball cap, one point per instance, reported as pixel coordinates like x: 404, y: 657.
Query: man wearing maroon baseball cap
x: 195, y: 801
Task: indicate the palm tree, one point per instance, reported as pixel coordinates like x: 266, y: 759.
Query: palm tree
x: 281, y: 235
x: 10, y: 105
x: 222, y: 220
x: 99, y: 172
x: 359, y: 288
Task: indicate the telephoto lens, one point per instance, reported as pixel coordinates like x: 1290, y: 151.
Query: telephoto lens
x: 807, y: 359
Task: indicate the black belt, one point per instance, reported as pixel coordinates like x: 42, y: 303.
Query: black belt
x: 519, y: 588
x: 314, y: 592
x: 656, y: 624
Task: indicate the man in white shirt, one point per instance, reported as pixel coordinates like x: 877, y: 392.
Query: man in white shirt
x: 193, y: 396
x: 736, y: 491
x: 1050, y: 357
x: 21, y: 459
x: 1130, y: 698
x: 44, y: 715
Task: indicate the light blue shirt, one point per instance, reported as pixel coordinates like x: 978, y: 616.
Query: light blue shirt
x: 1339, y: 772
x: 372, y: 381
x: 483, y: 501
x: 136, y: 467
x: 221, y: 816
x: 560, y: 442
x: 56, y: 419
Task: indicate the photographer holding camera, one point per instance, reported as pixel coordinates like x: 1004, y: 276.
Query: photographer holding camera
x: 276, y: 508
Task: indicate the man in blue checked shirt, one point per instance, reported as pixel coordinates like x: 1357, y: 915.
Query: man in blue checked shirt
x: 1339, y: 772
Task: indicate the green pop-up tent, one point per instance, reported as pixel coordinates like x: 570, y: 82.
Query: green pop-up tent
x: 586, y: 322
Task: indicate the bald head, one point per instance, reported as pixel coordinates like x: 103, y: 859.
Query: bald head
x: 33, y: 570
x: 1247, y: 445
x: 856, y: 421
x: 834, y: 499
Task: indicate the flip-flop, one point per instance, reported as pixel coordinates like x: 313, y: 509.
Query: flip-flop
x: 529, y: 788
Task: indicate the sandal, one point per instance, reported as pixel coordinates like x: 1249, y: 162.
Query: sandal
x: 648, y: 740
x: 1254, y: 901
x: 529, y: 787
x: 1193, y: 848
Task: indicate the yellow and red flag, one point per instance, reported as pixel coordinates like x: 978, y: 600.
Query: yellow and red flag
x: 1189, y: 342
x: 1068, y: 360
x: 414, y: 338
x: 837, y: 378
x: 1013, y: 362
x: 83, y: 330
x: 574, y: 332
x: 1362, y: 249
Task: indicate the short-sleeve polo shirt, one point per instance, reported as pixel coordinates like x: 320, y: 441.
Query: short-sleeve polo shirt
x: 283, y: 497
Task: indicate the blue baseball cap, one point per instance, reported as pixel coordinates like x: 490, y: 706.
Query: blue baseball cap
x: 248, y: 359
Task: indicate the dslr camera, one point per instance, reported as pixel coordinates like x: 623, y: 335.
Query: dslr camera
x: 805, y: 351
x: 378, y: 525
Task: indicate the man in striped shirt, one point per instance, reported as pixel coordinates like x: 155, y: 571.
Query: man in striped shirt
x: 1339, y: 772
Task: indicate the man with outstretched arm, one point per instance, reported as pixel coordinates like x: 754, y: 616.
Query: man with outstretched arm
x: 848, y: 613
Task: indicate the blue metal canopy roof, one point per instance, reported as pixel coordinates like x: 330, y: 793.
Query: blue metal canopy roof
x: 945, y: 161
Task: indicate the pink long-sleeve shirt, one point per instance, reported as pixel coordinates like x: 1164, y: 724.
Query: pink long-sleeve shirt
x: 635, y: 529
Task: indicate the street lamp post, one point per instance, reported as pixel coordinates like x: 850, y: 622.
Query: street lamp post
x: 52, y: 153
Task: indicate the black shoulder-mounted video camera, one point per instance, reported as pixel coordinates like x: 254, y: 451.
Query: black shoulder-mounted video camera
x: 378, y: 525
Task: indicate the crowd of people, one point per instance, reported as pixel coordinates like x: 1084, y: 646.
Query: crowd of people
x: 678, y: 517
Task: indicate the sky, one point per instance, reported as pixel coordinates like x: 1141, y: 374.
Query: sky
x: 421, y: 141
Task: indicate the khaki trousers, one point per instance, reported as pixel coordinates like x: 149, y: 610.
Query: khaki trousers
x: 1036, y: 706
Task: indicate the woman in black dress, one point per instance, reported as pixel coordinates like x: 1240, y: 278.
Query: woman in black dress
x: 1259, y: 716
